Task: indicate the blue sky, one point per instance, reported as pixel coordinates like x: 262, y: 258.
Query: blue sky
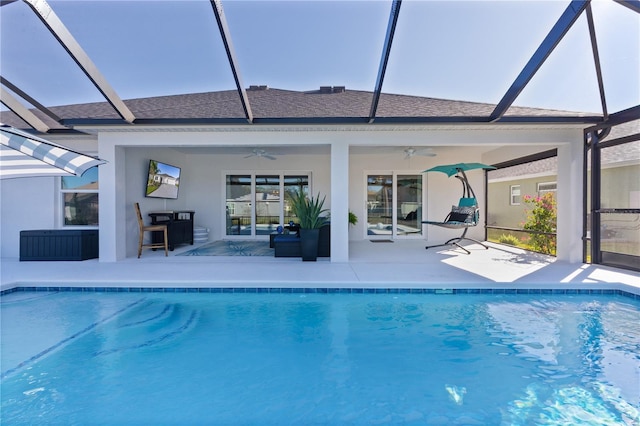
x: 463, y: 50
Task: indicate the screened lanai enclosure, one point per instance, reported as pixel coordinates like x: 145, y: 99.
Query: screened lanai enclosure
x: 248, y: 75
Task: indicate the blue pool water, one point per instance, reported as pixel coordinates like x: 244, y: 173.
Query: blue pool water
x: 157, y: 358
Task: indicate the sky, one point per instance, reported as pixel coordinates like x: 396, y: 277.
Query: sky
x: 461, y: 50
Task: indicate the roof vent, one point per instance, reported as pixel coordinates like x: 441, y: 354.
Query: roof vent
x: 334, y: 89
x: 255, y: 87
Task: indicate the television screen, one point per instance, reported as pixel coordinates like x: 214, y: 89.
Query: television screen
x: 163, y: 180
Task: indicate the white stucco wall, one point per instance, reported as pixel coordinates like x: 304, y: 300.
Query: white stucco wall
x: 25, y: 204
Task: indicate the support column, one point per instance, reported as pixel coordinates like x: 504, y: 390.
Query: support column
x: 112, y: 195
x: 569, y: 197
x: 339, y: 202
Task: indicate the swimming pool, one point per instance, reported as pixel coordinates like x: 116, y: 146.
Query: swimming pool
x: 300, y: 358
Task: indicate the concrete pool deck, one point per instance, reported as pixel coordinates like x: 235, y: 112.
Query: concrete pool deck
x: 401, y: 264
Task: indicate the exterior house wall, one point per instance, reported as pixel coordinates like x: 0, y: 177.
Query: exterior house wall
x: 353, y: 150
x: 25, y: 204
x: 501, y: 212
x: 620, y: 186
x: 621, y: 189
x: 440, y: 191
x: 202, y: 182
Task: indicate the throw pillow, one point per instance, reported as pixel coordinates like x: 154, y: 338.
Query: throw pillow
x: 457, y: 217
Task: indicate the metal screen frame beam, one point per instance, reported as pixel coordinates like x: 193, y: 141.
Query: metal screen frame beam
x: 631, y: 4
x: 620, y: 117
x: 386, y: 51
x: 596, y: 60
x: 29, y: 99
x: 21, y: 111
x: 73, y: 48
x: 586, y: 120
x: 559, y: 30
x: 231, y: 56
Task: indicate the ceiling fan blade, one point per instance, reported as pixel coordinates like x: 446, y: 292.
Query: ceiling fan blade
x: 412, y: 152
x: 270, y: 157
x: 409, y: 152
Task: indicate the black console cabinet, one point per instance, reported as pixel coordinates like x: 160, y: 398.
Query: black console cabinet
x: 179, y: 227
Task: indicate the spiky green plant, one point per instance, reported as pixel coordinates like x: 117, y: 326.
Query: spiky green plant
x: 309, y: 210
x: 353, y: 219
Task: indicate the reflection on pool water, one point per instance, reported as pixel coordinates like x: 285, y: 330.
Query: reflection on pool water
x: 162, y: 358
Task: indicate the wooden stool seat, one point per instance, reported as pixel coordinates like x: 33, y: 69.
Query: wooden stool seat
x: 151, y: 228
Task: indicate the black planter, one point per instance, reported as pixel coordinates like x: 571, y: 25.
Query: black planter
x: 309, y: 244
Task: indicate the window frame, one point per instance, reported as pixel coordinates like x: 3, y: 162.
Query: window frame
x: 544, y: 191
x: 511, y: 195
x: 60, y: 209
x: 282, y: 175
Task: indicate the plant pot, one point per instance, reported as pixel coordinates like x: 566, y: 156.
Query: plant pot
x: 309, y: 244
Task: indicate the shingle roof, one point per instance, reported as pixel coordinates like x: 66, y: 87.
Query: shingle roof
x: 278, y: 104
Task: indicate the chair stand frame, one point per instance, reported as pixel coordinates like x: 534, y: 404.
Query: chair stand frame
x: 456, y: 240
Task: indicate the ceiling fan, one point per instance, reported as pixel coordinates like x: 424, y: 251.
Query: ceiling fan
x: 412, y: 152
x: 260, y: 153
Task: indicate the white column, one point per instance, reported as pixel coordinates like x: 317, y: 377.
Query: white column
x: 339, y: 202
x: 569, y: 197
x: 112, y: 195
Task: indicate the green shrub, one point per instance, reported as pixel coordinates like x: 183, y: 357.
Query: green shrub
x: 509, y: 239
x: 541, y: 218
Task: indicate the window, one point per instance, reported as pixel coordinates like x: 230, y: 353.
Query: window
x: 514, y: 191
x: 546, y: 187
x: 257, y: 204
x: 394, y: 205
x: 80, y: 199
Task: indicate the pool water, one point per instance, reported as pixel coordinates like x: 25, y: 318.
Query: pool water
x: 159, y: 358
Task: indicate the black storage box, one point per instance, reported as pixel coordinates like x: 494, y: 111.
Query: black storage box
x: 59, y: 244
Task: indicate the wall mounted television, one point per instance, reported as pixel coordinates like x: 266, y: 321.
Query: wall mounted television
x: 163, y: 180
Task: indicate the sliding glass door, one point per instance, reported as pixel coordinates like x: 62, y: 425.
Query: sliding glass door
x: 257, y: 203
x: 293, y: 184
x: 267, y: 201
x: 394, y: 205
x: 409, y: 205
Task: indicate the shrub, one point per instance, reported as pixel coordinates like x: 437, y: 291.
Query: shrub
x: 541, y: 218
x: 508, y: 239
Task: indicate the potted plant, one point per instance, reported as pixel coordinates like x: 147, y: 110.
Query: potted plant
x: 309, y: 211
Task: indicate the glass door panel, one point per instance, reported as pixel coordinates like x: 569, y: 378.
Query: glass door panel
x: 267, y: 199
x: 257, y: 204
x: 293, y: 185
x: 238, y: 205
x: 380, y: 205
x: 409, y: 205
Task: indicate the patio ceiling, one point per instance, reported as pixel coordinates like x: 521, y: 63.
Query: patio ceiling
x: 214, y: 34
